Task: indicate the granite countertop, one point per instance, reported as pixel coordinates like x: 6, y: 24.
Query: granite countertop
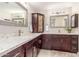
x: 11, y: 43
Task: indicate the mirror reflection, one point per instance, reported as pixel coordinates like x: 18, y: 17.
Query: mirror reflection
x: 12, y: 14
x: 59, y: 21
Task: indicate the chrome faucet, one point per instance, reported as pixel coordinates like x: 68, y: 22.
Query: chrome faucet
x: 19, y: 32
x: 59, y: 31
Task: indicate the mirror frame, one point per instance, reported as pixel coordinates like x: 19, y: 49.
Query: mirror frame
x: 26, y: 13
x: 66, y: 22
x: 8, y: 23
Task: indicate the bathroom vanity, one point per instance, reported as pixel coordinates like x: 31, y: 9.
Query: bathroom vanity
x: 60, y: 42
x: 30, y: 46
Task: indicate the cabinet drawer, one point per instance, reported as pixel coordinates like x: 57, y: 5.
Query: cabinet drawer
x: 74, y: 42
x: 15, y: 53
x: 74, y: 37
x: 74, y: 49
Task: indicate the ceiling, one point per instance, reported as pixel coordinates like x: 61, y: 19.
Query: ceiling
x: 44, y: 5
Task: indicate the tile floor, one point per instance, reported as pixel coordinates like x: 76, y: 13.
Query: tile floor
x: 54, y: 53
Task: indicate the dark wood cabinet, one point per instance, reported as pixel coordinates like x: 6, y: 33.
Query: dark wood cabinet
x: 46, y: 41
x: 67, y: 43
x: 61, y: 42
x: 56, y: 42
x: 37, y: 22
x: 74, y: 20
x: 28, y: 50
x: 35, y: 49
x: 37, y: 45
x: 74, y: 43
x: 32, y: 48
x: 18, y: 52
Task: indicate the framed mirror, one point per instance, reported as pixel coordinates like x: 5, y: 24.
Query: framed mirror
x: 13, y: 14
x: 74, y: 21
x: 59, y: 21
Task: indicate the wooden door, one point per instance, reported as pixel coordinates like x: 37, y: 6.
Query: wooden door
x: 37, y: 22
x: 40, y: 23
x: 34, y: 22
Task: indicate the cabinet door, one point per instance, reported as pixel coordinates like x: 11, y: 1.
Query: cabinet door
x: 34, y: 23
x: 56, y: 43
x: 35, y: 51
x: 74, y: 44
x: 60, y: 42
x: 39, y: 43
x: 66, y: 43
x: 37, y: 22
x: 40, y: 23
x: 29, y: 52
x: 46, y: 42
x: 74, y: 21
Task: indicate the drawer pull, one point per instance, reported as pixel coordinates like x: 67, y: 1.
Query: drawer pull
x: 74, y: 48
x: 17, y: 54
x: 74, y: 42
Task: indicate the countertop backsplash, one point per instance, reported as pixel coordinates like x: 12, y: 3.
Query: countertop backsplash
x: 8, y: 31
x: 62, y: 30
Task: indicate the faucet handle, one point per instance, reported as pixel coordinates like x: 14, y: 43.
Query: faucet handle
x: 59, y: 31
x: 20, y: 32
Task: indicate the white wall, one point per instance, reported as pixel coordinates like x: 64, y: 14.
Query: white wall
x: 69, y: 10
x: 4, y: 14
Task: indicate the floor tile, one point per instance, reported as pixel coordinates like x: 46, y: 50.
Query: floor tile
x: 54, y: 53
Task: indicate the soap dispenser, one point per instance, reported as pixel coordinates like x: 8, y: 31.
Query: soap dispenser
x: 47, y: 28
